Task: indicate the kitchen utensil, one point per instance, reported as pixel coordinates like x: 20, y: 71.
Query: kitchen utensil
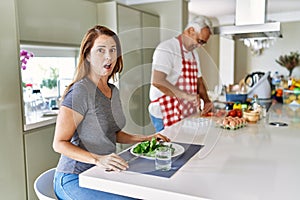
x: 259, y: 83
x: 236, y: 97
x: 133, y: 159
x: 251, y: 116
x: 253, y: 78
x: 127, y: 161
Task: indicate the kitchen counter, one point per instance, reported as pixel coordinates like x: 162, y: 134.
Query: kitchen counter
x: 258, y: 161
x: 39, y: 119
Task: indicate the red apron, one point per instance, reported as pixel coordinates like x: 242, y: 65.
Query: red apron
x: 175, y: 109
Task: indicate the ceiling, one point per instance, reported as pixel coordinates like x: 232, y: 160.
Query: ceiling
x: 277, y: 10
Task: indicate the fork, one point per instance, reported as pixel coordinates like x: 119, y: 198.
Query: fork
x: 132, y: 159
x: 127, y: 161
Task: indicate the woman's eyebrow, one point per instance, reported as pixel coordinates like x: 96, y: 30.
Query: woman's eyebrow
x: 103, y: 45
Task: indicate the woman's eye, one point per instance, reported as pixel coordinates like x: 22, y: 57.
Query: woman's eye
x: 101, y: 50
x: 113, y: 50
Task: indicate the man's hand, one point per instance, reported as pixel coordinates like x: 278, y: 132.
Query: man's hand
x: 208, y: 106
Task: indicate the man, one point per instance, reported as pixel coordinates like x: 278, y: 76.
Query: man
x: 176, y: 83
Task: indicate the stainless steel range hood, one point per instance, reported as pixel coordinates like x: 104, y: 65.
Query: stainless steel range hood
x: 266, y: 30
x: 250, y: 22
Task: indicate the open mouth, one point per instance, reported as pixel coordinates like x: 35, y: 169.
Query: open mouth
x: 107, y: 66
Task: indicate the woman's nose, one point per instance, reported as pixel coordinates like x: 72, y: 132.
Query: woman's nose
x: 108, y: 56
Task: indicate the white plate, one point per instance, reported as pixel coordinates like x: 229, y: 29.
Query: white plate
x: 178, y: 151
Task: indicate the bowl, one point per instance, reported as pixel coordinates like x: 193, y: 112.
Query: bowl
x: 291, y: 97
x: 236, y: 97
x: 251, y: 116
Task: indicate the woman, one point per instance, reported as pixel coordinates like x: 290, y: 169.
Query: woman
x: 91, y: 119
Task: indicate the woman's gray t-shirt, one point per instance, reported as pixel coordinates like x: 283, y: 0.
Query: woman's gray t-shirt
x: 102, y: 119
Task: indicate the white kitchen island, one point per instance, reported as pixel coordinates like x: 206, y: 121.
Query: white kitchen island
x: 256, y: 162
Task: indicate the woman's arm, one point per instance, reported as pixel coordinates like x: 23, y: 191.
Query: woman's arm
x: 67, y: 122
x: 126, y: 138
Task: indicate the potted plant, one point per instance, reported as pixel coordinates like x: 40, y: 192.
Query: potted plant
x: 52, y: 81
x: 289, y: 61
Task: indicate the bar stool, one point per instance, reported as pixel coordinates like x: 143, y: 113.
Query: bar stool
x: 43, y: 185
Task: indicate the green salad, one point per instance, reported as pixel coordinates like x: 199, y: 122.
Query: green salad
x: 147, y: 148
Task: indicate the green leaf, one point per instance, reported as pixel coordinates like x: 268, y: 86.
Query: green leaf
x: 145, y: 146
x: 137, y: 149
x: 153, y: 144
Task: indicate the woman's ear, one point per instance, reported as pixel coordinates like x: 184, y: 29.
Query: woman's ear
x: 88, y: 57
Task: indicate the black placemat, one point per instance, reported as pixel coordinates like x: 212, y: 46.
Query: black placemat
x: 147, y: 166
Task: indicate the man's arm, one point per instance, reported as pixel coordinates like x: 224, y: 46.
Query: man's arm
x: 159, y: 81
x: 202, y: 91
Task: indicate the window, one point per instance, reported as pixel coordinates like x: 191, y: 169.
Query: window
x: 45, y: 76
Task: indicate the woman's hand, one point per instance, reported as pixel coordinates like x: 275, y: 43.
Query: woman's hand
x: 158, y: 136
x: 112, y: 162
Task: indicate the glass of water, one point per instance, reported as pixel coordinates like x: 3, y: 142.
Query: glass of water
x: 163, y: 158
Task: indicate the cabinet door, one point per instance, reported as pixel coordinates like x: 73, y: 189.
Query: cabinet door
x: 39, y: 155
x: 129, y: 28
x: 151, y: 38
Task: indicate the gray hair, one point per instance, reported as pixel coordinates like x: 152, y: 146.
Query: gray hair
x: 200, y: 22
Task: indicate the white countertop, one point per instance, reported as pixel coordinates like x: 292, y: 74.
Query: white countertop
x: 40, y: 119
x: 255, y: 162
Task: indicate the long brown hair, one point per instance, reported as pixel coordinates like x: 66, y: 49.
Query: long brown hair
x: 83, y: 67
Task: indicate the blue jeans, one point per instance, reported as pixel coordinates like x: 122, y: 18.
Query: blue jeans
x: 66, y: 187
x: 158, y: 123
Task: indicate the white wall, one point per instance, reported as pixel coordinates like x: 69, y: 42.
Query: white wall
x: 247, y: 63
x: 12, y: 169
x: 226, y: 61
x: 173, y: 16
x: 173, y: 19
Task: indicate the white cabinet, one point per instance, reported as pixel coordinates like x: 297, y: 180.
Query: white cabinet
x: 39, y: 155
x: 12, y: 173
x: 139, y: 35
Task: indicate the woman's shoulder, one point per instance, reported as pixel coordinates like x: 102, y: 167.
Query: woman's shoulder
x: 81, y: 87
x: 84, y: 84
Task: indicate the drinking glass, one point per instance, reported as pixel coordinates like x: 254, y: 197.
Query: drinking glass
x: 163, y: 159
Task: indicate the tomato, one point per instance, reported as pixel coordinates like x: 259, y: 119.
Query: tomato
x: 239, y: 113
x: 209, y: 114
x: 231, y: 113
x: 220, y: 113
